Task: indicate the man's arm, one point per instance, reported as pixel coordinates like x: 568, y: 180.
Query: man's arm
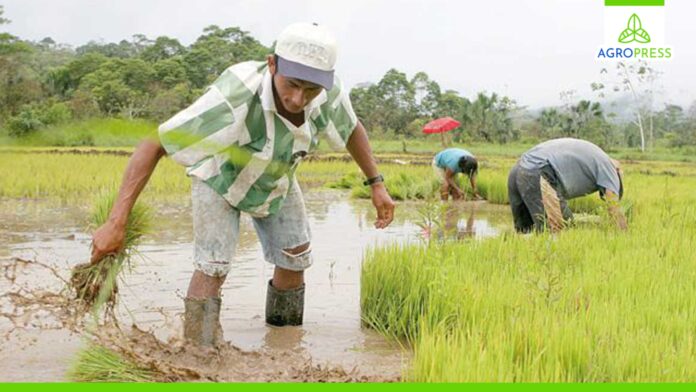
x: 110, y: 237
x: 472, y: 180
x: 359, y: 148
x: 612, y: 200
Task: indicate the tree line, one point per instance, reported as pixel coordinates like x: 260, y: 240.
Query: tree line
x: 44, y: 83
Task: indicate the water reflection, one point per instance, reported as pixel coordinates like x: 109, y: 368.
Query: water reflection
x: 459, y: 221
x: 458, y: 224
x: 284, y: 339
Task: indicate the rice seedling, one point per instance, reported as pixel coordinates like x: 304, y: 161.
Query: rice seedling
x: 96, y: 284
x: 97, y: 363
x: 590, y: 304
x: 413, y: 184
x: 492, y: 185
x: 73, y: 176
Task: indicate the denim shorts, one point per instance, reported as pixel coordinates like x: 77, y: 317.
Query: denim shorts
x: 531, y: 210
x: 216, y: 231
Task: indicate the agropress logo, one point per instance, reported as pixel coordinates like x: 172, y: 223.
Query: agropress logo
x: 634, y: 29
x: 634, y: 32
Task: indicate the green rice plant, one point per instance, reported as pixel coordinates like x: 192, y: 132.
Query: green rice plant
x: 403, y: 186
x: 408, y: 184
x: 586, y: 204
x: 96, y: 284
x: 76, y: 175
x: 592, y: 304
x: 97, y: 363
x: 72, y: 175
x: 347, y: 181
x: 403, y: 183
x: 492, y: 186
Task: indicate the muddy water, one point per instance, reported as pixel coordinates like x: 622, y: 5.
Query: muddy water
x: 151, y: 295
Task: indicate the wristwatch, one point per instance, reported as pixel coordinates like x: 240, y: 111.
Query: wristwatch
x: 374, y: 180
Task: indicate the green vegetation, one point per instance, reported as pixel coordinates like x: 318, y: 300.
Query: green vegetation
x: 591, y: 304
x: 97, y: 363
x: 46, y: 83
x: 79, y: 175
x: 95, y: 285
x: 406, y: 182
x: 48, y: 89
x: 75, y: 174
x: 105, y: 132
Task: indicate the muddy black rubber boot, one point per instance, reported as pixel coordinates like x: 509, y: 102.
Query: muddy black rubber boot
x: 202, y: 321
x: 284, y: 307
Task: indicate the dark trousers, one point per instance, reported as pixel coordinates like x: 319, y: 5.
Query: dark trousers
x: 524, y: 193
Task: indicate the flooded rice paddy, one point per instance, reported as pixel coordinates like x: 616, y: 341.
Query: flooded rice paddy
x: 151, y: 294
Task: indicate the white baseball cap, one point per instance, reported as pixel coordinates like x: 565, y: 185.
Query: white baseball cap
x: 307, y: 51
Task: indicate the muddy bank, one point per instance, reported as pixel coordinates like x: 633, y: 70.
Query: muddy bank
x: 39, y: 324
x: 174, y: 361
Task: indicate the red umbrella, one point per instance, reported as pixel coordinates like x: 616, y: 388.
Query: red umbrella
x: 441, y: 125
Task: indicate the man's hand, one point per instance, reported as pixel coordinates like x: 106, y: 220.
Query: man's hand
x: 359, y: 148
x: 384, y: 205
x: 612, y: 200
x: 109, y: 239
x: 458, y: 194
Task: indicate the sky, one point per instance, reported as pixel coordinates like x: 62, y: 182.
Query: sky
x: 529, y: 50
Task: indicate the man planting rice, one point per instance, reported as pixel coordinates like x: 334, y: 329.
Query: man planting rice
x: 551, y: 173
x: 241, y: 143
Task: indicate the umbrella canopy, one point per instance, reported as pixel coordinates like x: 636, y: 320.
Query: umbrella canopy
x: 441, y: 125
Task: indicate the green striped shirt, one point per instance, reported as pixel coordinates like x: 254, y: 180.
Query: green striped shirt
x: 234, y: 140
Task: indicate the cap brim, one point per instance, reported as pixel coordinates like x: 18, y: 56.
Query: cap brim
x: 291, y: 69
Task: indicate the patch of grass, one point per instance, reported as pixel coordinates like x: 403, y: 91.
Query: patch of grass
x: 418, y: 183
x: 77, y: 176
x: 590, y: 304
x: 97, y: 363
x: 492, y: 186
x: 90, y: 132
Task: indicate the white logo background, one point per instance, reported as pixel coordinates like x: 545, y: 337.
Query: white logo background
x: 616, y: 20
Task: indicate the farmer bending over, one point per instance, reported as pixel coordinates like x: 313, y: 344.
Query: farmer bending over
x: 558, y: 170
x: 241, y: 143
x: 447, y: 164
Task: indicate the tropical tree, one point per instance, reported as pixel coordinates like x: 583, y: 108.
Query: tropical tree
x: 489, y: 118
x: 427, y: 93
x: 639, y: 80
x: 2, y: 12
x: 162, y: 48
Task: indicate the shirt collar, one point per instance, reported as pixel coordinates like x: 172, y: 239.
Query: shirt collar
x: 266, y: 92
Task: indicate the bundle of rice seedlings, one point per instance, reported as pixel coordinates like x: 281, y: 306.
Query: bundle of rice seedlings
x: 95, y: 284
x: 552, y: 206
x: 97, y: 363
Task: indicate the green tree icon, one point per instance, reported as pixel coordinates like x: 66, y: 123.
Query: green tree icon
x: 634, y: 32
